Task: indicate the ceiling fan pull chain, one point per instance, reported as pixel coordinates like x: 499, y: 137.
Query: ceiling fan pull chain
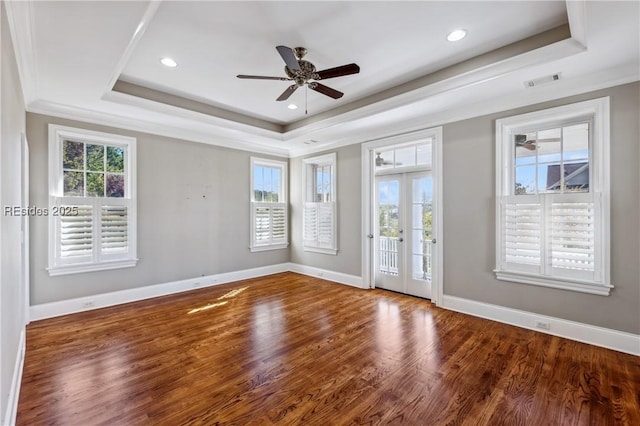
x: 306, y: 91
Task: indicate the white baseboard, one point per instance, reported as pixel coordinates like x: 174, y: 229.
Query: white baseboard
x: 14, y: 392
x: 80, y: 304
x: 593, y: 335
x: 338, y: 277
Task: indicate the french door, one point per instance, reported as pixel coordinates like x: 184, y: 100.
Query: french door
x: 403, y: 236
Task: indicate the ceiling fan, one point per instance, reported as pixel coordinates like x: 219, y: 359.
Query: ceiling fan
x: 303, y: 72
x: 531, y: 143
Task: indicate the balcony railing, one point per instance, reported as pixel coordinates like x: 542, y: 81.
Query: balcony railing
x: 388, y: 258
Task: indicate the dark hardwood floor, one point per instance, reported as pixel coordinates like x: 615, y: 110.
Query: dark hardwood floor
x: 290, y: 349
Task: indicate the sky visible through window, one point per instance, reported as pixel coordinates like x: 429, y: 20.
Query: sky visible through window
x: 388, y: 191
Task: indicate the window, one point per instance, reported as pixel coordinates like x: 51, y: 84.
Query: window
x: 319, y: 215
x: 269, y: 212
x: 553, y: 197
x: 404, y: 157
x: 92, y: 217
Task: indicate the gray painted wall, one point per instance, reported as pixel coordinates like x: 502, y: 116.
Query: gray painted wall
x: 12, y: 125
x: 193, y: 215
x: 469, y: 220
x: 348, y: 259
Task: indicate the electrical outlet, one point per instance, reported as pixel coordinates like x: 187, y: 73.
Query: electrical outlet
x: 543, y: 325
x: 88, y: 304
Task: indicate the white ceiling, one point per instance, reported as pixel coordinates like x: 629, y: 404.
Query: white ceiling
x: 392, y: 42
x: 70, y: 55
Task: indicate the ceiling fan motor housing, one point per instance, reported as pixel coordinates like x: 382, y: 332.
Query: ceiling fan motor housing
x: 307, y: 72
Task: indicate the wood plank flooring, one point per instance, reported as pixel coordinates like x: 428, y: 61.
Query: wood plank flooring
x: 294, y: 350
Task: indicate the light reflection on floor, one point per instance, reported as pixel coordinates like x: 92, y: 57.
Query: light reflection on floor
x: 388, y: 329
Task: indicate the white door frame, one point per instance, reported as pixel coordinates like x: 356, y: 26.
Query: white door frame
x: 368, y: 187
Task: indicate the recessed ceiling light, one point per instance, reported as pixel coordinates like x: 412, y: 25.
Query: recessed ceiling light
x: 292, y: 106
x: 456, y: 35
x: 168, y: 62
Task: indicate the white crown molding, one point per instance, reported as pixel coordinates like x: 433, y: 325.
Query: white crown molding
x: 20, y: 18
x: 128, y: 123
x: 221, y: 125
x: 16, y: 382
x: 148, y: 15
x: 577, y: 16
x: 585, y: 333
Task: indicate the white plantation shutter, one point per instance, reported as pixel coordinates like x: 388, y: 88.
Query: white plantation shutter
x: 573, y: 235
x: 91, y: 231
x: 552, y: 235
x: 279, y: 223
x: 76, y: 232
x: 310, y: 220
x: 270, y: 224
x: 319, y: 225
x: 262, y: 225
x: 522, y: 230
x: 326, y: 224
x: 114, y: 226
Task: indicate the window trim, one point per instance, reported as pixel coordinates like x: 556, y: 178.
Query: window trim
x: 308, y: 168
x: 57, y: 134
x: 597, y: 110
x: 283, y: 165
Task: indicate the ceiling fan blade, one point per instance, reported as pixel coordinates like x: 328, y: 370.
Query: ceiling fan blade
x: 262, y: 77
x: 285, y: 95
x: 338, y: 71
x: 289, y: 57
x: 325, y: 90
x: 547, y: 140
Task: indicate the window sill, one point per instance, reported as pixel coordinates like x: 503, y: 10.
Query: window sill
x: 560, y: 283
x: 333, y: 252
x: 91, y: 267
x: 269, y: 247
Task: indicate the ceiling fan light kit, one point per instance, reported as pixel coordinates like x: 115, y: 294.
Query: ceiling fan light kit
x: 303, y: 72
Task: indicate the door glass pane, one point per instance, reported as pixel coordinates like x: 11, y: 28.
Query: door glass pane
x: 388, y: 217
x: 384, y: 160
x: 406, y: 156
x: 421, y: 209
x: 423, y: 154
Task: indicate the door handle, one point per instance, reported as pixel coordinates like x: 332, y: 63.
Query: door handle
x: 433, y: 241
x: 370, y: 236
